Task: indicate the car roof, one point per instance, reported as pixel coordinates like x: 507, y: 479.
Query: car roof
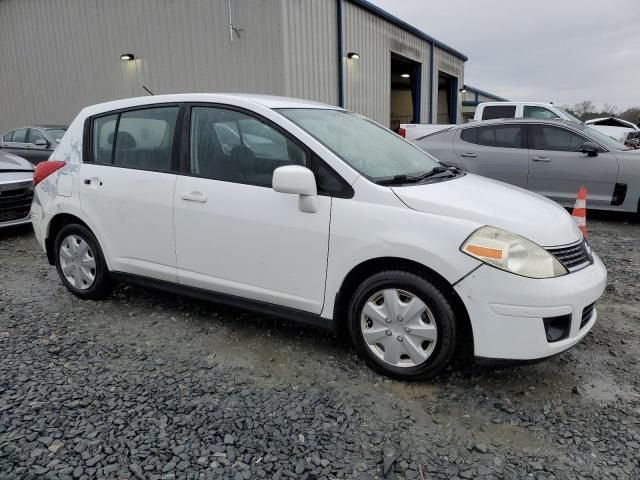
x: 507, y: 121
x: 268, y: 101
x: 535, y: 104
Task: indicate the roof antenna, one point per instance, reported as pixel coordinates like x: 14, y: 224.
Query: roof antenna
x: 148, y: 91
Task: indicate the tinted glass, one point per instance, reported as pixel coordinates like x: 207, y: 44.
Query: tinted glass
x: 235, y: 147
x: 7, y: 137
x: 144, y: 139
x: 502, y: 136
x: 34, y: 135
x: 369, y: 148
x: 546, y: 137
x: 531, y: 111
x: 20, y: 135
x: 491, y: 112
x: 103, y: 134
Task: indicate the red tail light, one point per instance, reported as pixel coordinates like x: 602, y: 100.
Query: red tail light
x: 44, y: 169
x: 402, y: 132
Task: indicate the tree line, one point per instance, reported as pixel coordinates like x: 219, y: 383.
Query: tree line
x: 587, y: 110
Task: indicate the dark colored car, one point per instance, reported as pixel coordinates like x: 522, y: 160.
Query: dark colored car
x: 16, y: 190
x: 35, y: 142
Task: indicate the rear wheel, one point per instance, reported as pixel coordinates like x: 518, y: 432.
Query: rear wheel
x: 80, y: 263
x: 402, y: 325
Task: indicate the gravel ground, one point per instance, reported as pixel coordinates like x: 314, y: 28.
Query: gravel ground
x: 148, y: 385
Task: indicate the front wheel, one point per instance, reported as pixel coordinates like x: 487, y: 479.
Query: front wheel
x: 402, y: 325
x: 80, y: 263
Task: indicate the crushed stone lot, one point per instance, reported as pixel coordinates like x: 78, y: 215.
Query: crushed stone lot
x: 147, y: 385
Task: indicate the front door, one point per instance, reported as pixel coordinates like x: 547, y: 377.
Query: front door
x: 557, y: 169
x: 128, y: 186
x: 235, y: 234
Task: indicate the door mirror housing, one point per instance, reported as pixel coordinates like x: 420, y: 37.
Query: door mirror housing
x: 298, y: 180
x: 589, y: 148
x: 41, y: 142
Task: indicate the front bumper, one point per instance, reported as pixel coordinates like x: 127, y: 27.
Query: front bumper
x: 507, y: 310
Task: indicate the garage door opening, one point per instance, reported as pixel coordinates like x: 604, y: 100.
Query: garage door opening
x: 405, y: 91
x: 447, y: 99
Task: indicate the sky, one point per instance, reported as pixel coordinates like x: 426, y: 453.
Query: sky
x: 563, y: 51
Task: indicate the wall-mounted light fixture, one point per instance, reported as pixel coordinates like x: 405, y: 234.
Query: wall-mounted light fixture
x: 126, y: 57
x: 405, y: 75
x: 463, y: 90
x: 353, y: 55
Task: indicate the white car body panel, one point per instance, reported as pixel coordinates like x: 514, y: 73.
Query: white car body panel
x: 414, y: 131
x: 519, y: 112
x: 255, y: 243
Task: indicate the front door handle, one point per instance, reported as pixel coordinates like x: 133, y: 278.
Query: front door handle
x: 541, y: 159
x: 198, y: 197
x: 468, y: 155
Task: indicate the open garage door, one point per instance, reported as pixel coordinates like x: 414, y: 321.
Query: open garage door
x: 447, y: 99
x: 405, y: 91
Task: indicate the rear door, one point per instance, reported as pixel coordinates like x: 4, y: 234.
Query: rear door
x: 126, y: 188
x: 495, y: 151
x: 557, y: 169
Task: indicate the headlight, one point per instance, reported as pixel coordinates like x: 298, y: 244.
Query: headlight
x: 512, y: 253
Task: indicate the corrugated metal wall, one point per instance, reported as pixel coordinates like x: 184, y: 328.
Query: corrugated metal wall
x: 446, y: 62
x: 310, y: 46
x: 58, y: 56
x: 368, y: 79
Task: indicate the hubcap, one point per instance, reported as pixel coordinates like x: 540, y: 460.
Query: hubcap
x: 398, y: 328
x: 77, y: 262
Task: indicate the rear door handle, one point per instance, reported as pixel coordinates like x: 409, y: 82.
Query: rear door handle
x: 541, y: 159
x: 468, y: 155
x: 194, y: 197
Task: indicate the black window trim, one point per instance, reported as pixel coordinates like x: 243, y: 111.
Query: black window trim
x: 313, y: 159
x: 562, y: 127
x: 523, y: 130
x: 87, y: 148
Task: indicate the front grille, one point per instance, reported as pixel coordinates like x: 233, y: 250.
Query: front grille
x: 573, y: 257
x: 587, y: 313
x: 15, y: 203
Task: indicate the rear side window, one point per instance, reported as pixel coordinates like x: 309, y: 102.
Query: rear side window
x: 491, y: 112
x: 501, y: 136
x: 7, y: 136
x: 140, y: 139
x: 20, y: 135
x: 531, y: 111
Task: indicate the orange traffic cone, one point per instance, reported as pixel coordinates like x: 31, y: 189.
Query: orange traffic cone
x: 579, y: 213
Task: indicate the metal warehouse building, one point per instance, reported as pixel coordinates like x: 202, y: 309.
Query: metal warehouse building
x: 60, y: 55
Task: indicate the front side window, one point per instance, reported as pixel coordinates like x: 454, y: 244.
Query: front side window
x: 493, y: 112
x: 374, y: 151
x: 502, y: 136
x: 140, y: 139
x: 547, y: 137
x: 56, y: 133
x: 235, y: 147
x: 531, y: 111
x: 20, y: 135
x: 35, y: 135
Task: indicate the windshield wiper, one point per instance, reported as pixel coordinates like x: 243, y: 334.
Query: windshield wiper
x: 402, y: 179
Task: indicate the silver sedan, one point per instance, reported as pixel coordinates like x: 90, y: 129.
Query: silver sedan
x: 550, y: 157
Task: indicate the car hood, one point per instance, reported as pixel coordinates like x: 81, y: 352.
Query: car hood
x: 8, y: 161
x: 489, y: 202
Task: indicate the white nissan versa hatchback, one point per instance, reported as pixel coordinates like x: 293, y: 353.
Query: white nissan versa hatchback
x: 316, y: 214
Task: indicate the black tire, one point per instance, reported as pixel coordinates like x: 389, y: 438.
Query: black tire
x: 101, y: 287
x: 440, y: 306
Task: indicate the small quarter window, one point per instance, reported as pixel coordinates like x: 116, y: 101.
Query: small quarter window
x: 7, y: 136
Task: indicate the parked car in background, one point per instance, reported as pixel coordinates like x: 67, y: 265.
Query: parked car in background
x: 16, y: 190
x: 413, y: 131
x: 339, y: 223
x: 618, y: 129
x: 538, y: 110
x: 35, y: 143
x: 550, y: 157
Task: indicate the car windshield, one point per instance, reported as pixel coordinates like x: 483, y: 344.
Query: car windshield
x: 369, y: 148
x: 604, y: 139
x: 56, y: 133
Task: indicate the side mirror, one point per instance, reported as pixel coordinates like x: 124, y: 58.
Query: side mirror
x: 589, y: 148
x: 41, y: 142
x: 298, y: 180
